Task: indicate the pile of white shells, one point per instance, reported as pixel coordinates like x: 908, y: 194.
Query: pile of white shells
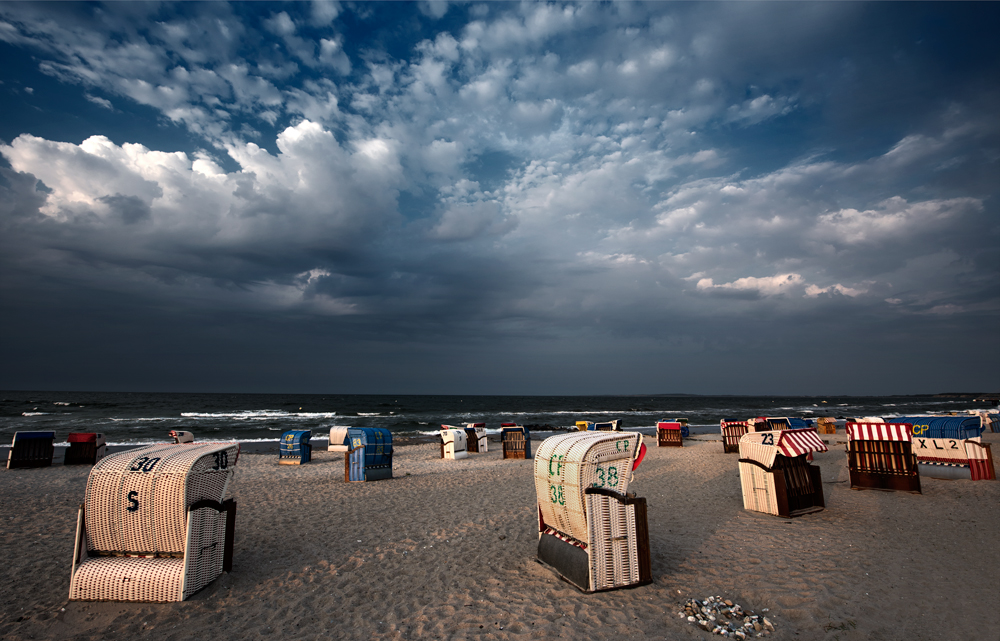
x: 725, y: 618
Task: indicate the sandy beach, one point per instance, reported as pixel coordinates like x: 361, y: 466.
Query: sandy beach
x: 446, y: 550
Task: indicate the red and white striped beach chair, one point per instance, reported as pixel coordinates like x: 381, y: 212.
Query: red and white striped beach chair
x: 732, y: 431
x: 775, y: 476
x: 156, y: 524
x: 880, y: 457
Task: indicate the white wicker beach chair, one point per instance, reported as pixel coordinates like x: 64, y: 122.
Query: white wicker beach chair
x: 453, y: 443
x: 181, y: 437
x: 156, y: 524
x: 590, y: 529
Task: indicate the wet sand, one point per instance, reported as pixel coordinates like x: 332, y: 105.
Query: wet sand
x: 446, y: 550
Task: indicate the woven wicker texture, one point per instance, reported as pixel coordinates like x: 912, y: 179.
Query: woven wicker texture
x: 138, y: 505
x: 758, y: 489
x: 613, y: 549
x: 567, y: 464
x: 137, y: 500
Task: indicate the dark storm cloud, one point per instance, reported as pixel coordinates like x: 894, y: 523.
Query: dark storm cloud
x: 397, y: 196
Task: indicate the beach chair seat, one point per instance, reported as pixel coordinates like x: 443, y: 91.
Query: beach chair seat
x: 591, y: 530
x: 31, y: 449
x: 181, y: 436
x: 156, y: 524
x: 338, y: 439
x: 454, y: 443
x: 880, y: 457
x: 774, y: 475
x: 475, y: 436
x: 85, y: 448
x: 294, y: 448
x: 515, y: 440
x: 669, y: 434
x: 370, y: 455
x: 732, y: 431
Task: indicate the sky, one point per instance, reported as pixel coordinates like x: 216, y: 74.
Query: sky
x: 500, y: 198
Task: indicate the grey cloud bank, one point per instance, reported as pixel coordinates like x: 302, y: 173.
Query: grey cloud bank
x: 501, y: 198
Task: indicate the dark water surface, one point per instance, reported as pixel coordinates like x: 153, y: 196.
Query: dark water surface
x: 134, y: 418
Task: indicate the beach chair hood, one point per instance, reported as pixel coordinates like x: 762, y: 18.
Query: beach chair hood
x: 764, y: 447
x: 567, y: 464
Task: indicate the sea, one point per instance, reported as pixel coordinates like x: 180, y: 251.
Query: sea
x: 128, y: 418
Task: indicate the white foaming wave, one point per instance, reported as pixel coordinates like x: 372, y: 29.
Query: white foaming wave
x: 35, y: 413
x: 369, y: 413
x: 259, y: 415
x: 61, y: 403
x: 147, y: 441
x: 153, y: 419
x: 589, y: 412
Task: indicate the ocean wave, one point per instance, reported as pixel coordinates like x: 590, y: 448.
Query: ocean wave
x: 35, y: 413
x: 259, y: 415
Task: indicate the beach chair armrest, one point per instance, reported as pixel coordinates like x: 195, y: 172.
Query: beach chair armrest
x: 626, y: 499
x: 203, y: 503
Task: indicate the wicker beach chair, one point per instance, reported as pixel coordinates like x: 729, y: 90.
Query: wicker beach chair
x: 515, y: 441
x: 453, y: 443
x: 31, y: 449
x: 338, y: 439
x: 156, y: 524
x: 475, y: 436
x: 669, y: 434
x: 85, y: 448
x: 880, y: 457
x: 826, y: 425
x: 181, y: 437
x: 732, y: 431
x: 584, y: 426
x: 775, y: 476
x: 370, y: 455
x: 591, y: 530
x: 294, y: 448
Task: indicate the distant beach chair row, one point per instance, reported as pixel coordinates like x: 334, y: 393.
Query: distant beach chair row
x: 776, y: 477
x: 458, y: 442
x: 367, y: 451
x: 37, y: 449
x: 614, y: 425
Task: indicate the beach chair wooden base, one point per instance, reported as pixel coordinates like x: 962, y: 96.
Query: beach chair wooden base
x: 669, y: 438
x: 515, y: 445
x: 31, y: 449
x: 617, y: 555
x: 731, y: 435
x: 790, y: 488
x: 883, y: 465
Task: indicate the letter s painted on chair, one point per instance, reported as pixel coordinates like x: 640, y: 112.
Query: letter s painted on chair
x: 133, y: 500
